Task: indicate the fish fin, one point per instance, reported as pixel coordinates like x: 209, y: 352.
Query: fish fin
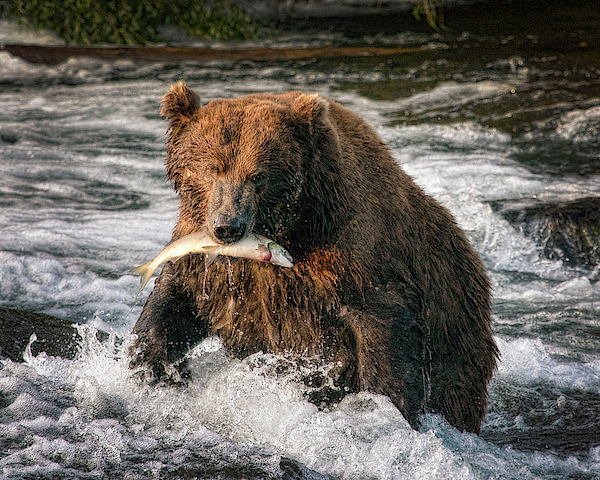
x: 145, y: 271
x: 210, y: 248
x: 209, y: 259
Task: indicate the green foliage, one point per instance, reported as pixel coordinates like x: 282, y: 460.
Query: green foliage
x: 432, y: 9
x: 133, y: 21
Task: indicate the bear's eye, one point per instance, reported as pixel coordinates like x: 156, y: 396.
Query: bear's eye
x: 210, y: 168
x: 259, y: 178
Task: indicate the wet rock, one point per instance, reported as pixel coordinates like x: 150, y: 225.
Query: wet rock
x: 56, y: 337
x: 542, y: 418
x: 8, y: 136
x: 566, y: 231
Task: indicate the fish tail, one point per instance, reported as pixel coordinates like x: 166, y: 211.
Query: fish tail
x: 145, y: 271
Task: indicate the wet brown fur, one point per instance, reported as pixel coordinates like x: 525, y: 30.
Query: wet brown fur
x: 384, y: 283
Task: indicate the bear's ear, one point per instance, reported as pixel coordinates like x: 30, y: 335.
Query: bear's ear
x: 311, y: 107
x: 179, y: 103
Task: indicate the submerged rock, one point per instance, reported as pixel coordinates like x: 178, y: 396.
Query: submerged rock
x: 544, y: 418
x: 55, y: 336
x: 566, y: 231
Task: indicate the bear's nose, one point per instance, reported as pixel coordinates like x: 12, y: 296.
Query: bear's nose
x: 229, y: 230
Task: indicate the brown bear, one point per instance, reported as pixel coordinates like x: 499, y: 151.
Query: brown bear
x: 385, y: 285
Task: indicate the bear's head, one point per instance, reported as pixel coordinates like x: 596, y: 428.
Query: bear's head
x: 262, y: 164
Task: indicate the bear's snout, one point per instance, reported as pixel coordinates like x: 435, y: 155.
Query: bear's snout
x: 230, y: 212
x: 229, y: 229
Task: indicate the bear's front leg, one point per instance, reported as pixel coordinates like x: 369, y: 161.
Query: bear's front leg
x: 167, y: 328
x: 391, y: 356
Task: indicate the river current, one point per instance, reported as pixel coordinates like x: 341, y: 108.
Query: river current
x: 83, y: 198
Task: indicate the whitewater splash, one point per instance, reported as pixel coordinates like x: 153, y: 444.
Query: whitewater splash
x: 88, y: 418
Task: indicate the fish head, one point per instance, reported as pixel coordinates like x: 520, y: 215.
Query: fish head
x: 280, y: 256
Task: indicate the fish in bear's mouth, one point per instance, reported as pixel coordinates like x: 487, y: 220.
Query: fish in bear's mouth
x: 252, y: 246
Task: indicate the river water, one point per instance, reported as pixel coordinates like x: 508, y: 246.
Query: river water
x: 83, y: 198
